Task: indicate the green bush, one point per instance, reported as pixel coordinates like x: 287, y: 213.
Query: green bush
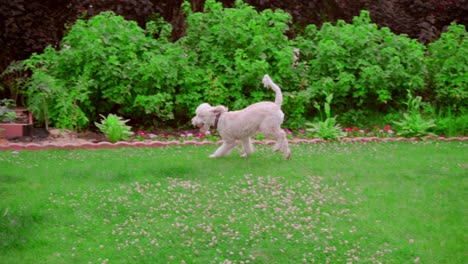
x: 232, y: 48
x: 362, y: 65
x: 7, y: 114
x: 110, y: 65
x: 450, y: 124
x: 448, y: 67
x: 104, y: 64
x: 413, y: 123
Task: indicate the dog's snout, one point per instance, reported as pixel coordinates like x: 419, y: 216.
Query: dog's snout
x: 196, y: 122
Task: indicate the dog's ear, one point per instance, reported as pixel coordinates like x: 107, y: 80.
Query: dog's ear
x: 219, y: 109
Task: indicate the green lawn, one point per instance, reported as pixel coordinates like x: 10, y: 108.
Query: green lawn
x: 395, y: 202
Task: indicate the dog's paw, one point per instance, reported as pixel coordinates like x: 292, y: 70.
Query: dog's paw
x: 212, y: 156
x: 276, y: 148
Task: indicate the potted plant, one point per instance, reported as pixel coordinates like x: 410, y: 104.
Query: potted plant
x: 14, y: 122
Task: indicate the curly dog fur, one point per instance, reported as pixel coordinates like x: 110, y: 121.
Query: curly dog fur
x: 241, y: 125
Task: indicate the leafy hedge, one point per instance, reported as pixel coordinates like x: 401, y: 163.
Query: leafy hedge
x: 363, y: 66
x: 105, y: 65
x: 110, y: 65
x: 448, y: 68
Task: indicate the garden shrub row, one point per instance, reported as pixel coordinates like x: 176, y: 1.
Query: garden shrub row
x: 110, y: 65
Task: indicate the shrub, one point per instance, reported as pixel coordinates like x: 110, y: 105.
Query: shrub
x: 232, y: 49
x: 448, y: 67
x: 108, y: 64
x: 7, y: 115
x: 328, y: 128
x: 13, y: 80
x: 105, y: 64
x: 114, y: 127
x: 362, y: 65
x: 449, y: 124
x: 413, y: 123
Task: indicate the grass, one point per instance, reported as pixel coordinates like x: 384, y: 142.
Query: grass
x: 395, y: 202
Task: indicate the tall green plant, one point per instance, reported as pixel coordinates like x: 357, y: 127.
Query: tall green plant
x: 114, y: 127
x: 450, y: 124
x: 233, y: 48
x: 362, y: 65
x: 108, y: 64
x: 448, y: 66
x: 7, y: 114
x: 12, y: 79
x: 105, y: 64
x: 328, y: 128
x: 413, y: 123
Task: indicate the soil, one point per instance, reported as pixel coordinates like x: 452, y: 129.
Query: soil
x: 58, y: 136
x: 41, y: 136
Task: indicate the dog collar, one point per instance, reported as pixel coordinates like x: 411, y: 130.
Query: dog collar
x: 216, y: 121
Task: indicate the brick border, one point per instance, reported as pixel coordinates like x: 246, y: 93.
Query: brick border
x: 156, y: 144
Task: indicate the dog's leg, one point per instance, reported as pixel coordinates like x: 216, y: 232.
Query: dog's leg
x: 224, y: 150
x: 281, y: 141
x: 286, y: 150
x: 277, y: 146
x: 247, y: 147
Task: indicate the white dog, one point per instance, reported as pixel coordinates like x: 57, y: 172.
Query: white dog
x: 263, y: 117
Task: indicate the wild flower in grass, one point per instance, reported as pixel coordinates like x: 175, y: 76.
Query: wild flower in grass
x: 223, y: 218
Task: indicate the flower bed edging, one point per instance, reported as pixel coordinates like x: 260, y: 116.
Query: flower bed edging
x: 155, y: 144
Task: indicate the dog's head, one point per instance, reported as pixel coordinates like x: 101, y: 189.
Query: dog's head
x: 205, y: 116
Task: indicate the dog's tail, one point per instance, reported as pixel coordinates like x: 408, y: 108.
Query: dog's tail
x: 268, y: 82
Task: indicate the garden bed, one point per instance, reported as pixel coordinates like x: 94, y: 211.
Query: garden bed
x: 66, y: 139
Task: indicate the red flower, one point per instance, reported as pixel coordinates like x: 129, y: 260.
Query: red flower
x: 141, y: 133
x: 356, y: 128
x: 201, y: 135
x: 387, y: 128
x: 348, y: 129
